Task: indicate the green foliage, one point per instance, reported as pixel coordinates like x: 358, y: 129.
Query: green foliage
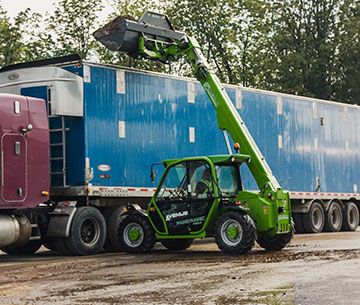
x: 306, y: 47
x: 227, y: 30
x: 72, y: 25
x: 132, y: 9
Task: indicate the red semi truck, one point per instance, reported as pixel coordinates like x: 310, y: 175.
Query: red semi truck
x: 25, y: 179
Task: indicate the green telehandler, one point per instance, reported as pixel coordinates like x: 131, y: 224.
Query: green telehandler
x: 200, y: 197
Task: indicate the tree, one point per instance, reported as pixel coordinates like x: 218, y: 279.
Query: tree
x: 301, y: 47
x: 72, y: 25
x: 227, y: 31
x: 132, y: 10
x: 347, y: 78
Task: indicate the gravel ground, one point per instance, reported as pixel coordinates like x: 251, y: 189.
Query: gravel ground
x: 314, y: 269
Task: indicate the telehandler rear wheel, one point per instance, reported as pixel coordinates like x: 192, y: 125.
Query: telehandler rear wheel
x: 176, y: 244
x: 136, y: 234
x: 275, y: 243
x: 234, y: 233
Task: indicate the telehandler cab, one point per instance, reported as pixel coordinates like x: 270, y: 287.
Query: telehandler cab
x: 201, y: 197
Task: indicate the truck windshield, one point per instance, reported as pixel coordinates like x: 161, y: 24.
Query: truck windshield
x: 228, y: 179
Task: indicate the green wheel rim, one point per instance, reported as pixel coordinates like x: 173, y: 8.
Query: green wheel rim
x: 133, y: 235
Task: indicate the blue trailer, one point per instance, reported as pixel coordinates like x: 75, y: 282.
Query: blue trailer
x: 109, y: 124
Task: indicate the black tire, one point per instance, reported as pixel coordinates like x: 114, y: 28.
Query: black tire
x: 334, y: 217
x: 106, y: 213
x: 350, y: 217
x: 227, y: 225
x: 176, y: 244
x: 113, y: 224
x: 30, y: 248
x: 275, y: 243
x: 314, y: 220
x: 59, y: 245
x: 299, y: 224
x: 136, y: 235
x: 87, y: 233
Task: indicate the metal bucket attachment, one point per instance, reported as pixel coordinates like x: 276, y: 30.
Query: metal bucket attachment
x: 122, y: 34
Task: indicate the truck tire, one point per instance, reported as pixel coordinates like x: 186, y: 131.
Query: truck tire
x: 106, y: 213
x: 59, y: 245
x: 30, y: 248
x: 87, y: 233
x: 350, y: 217
x: 314, y: 220
x: 299, y: 224
x: 234, y: 233
x: 334, y: 217
x: 113, y: 224
x: 275, y: 243
x: 176, y: 244
x: 136, y: 235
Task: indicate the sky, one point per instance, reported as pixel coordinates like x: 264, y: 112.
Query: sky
x: 15, y: 6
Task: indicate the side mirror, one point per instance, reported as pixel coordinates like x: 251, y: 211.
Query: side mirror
x: 153, y: 172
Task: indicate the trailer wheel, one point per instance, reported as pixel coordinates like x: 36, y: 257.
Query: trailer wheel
x: 176, y: 244
x: 29, y: 248
x: 275, y: 243
x: 351, y: 217
x: 334, y: 218
x: 234, y: 233
x: 113, y: 224
x: 314, y: 220
x: 136, y: 235
x: 299, y: 224
x: 87, y: 232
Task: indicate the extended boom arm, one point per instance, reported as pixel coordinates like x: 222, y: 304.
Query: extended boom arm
x: 153, y: 37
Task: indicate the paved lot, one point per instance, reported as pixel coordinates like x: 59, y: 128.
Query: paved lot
x: 314, y: 269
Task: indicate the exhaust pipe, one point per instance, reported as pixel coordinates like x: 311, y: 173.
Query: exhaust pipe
x: 14, y: 230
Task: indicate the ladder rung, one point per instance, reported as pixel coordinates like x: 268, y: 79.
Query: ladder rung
x: 59, y: 129
x: 57, y: 173
x: 57, y: 144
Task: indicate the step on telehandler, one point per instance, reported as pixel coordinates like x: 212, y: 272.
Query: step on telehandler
x: 200, y: 197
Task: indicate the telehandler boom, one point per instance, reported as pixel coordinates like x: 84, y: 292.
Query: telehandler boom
x: 179, y: 212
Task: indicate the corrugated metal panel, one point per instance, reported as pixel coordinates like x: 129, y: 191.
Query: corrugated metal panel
x: 161, y: 123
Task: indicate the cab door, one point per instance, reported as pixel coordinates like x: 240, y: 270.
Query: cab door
x: 184, y: 198
x: 13, y: 150
x: 14, y: 114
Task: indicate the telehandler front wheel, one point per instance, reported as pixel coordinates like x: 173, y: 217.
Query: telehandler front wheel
x: 275, y: 243
x: 136, y: 234
x: 234, y: 233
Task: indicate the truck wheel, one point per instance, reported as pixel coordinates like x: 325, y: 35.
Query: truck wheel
x: 30, y: 248
x: 299, y: 224
x: 275, y: 243
x: 234, y: 233
x: 314, y: 220
x: 113, y: 224
x: 59, y: 245
x: 106, y: 213
x: 136, y: 234
x: 87, y: 232
x: 351, y: 217
x: 334, y: 218
x: 176, y: 244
